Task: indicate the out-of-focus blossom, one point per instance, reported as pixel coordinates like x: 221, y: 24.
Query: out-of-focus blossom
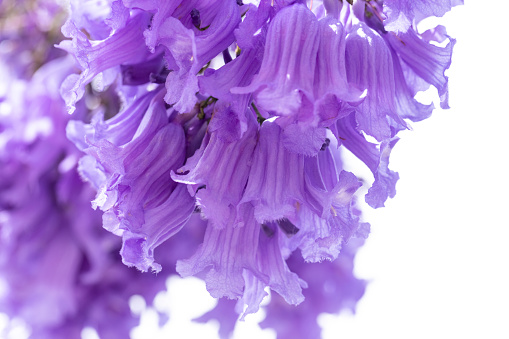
x: 28, y: 29
x: 207, y: 117
x: 61, y: 270
x: 332, y: 287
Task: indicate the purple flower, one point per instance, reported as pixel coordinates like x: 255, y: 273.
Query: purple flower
x: 369, y: 64
x: 208, y: 122
x: 218, y: 182
x: 276, y: 179
x: 287, y: 70
x: 245, y: 245
x: 302, y: 79
x: 95, y: 59
x: 130, y: 158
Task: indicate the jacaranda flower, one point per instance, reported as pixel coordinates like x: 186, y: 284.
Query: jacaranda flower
x: 212, y: 133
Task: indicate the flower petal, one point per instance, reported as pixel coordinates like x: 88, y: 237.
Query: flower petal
x: 125, y: 46
x: 427, y: 60
x: 288, y: 65
x: 375, y: 158
x: 219, y: 171
x: 370, y: 66
x: 276, y: 179
x: 224, y: 254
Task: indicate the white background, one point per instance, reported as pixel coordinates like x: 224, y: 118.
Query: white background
x: 438, y: 253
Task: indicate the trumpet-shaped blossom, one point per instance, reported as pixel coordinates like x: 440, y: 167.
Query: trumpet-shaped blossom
x: 132, y: 155
x: 206, y: 138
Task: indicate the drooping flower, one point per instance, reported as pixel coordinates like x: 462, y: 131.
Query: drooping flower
x: 218, y: 182
x: 237, y: 114
x: 130, y: 158
x: 335, y: 68
x: 303, y: 79
x: 103, y: 57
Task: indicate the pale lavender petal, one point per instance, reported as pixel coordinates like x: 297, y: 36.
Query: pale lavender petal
x: 191, y: 49
x: 219, y: 172
x: 162, y: 9
x: 224, y: 254
x: 254, y: 20
x: 254, y: 292
x: 300, y: 138
x: 276, y: 180
x: 161, y: 223
x: 427, y: 60
x: 401, y: 14
x: 288, y: 65
x: 329, y: 221
x: 124, y: 46
x: 140, y: 201
x: 375, y: 157
x: 331, y: 74
x: 271, y: 262
x: 370, y: 66
x: 90, y: 16
x: 385, y: 179
x: 406, y: 104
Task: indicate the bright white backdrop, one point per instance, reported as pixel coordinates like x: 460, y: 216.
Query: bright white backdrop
x: 438, y: 253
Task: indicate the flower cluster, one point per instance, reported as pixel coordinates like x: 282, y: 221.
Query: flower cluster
x: 208, y: 121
